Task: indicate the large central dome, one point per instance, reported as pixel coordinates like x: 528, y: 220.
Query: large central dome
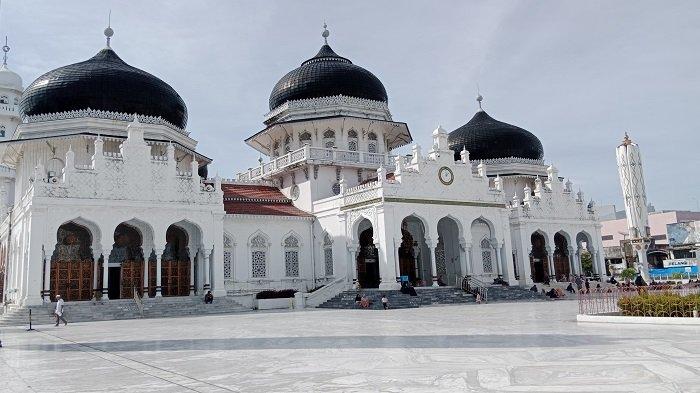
x: 104, y: 82
x: 324, y: 75
x: 487, y: 138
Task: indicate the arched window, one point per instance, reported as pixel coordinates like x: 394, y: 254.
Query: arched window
x: 291, y: 256
x: 352, y: 140
x: 287, y: 144
x: 372, y: 144
x: 258, y: 256
x: 329, y: 139
x: 328, y: 254
x: 228, y: 257
x: 275, y: 149
x: 304, y: 139
x: 486, y: 255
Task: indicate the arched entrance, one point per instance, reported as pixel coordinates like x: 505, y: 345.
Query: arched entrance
x: 175, y: 264
x: 561, y: 258
x: 538, y: 257
x: 72, y: 269
x: 447, y: 252
x: 585, y: 254
x: 414, y: 254
x: 367, y: 257
x: 125, y: 263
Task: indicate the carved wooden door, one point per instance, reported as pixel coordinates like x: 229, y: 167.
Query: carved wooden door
x: 71, y: 279
x: 132, y: 277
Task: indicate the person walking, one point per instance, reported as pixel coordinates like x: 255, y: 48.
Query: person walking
x: 385, y: 302
x: 59, y: 311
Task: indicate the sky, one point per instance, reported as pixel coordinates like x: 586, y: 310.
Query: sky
x: 576, y: 74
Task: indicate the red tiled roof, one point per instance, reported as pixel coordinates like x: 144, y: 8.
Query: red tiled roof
x: 258, y: 200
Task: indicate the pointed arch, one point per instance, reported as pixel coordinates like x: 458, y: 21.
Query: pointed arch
x: 258, y: 247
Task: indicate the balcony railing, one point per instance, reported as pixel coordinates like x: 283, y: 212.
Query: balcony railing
x: 318, y: 155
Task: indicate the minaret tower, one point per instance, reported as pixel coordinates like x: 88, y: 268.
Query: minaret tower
x: 10, y: 94
x: 629, y: 165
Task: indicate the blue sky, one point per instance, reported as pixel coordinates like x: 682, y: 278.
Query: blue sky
x: 576, y: 74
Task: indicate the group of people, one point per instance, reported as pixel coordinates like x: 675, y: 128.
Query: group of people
x: 362, y: 301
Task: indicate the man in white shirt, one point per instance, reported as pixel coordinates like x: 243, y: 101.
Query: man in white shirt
x: 59, y: 311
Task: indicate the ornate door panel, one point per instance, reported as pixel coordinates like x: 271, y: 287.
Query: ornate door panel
x: 561, y: 266
x: 71, y: 279
x: 152, y: 279
x: 175, y: 278
x: 132, y: 276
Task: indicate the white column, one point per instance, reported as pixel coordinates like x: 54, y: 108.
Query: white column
x: 463, y: 263
x: 159, y: 272
x: 396, y: 262
x: 207, y: 269
x: 192, y: 272
x: 146, y: 266
x: 95, y: 270
x: 353, y: 264
x: 499, y: 267
x: 468, y: 259
x: 105, y: 272
x: 433, y: 266
x: 550, y: 264
x: 572, y: 261
x: 45, y: 294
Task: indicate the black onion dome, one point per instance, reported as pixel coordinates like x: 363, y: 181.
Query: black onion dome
x: 104, y: 82
x: 324, y: 75
x: 487, y: 138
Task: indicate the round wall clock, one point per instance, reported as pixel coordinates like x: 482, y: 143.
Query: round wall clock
x: 446, y: 176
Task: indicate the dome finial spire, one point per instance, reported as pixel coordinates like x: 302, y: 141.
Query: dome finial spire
x: 5, y: 49
x: 479, y: 97
x: 108, y: 31
x: 325, y: 33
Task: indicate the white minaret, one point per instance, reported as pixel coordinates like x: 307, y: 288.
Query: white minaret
x: 629, y: 165
x: 10, y: 94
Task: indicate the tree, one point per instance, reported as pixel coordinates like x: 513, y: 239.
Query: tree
x: 587, y: 263
x: 629, y: 273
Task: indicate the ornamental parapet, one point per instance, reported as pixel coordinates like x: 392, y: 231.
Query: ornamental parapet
x: 299, y: 109
x: 100, y: 114
x: 130, y: 174
x: 317, y: 155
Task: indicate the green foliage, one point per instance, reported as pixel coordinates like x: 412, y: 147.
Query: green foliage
x: 677, y: 276
x: 276, y: 294
x: 629, y: 273
x: 659, y: 305
x: 587, y: 263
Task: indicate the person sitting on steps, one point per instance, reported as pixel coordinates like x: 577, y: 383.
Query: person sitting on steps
x: 208, y: 298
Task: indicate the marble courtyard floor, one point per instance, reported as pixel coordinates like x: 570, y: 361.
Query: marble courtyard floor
x: 493, y: 347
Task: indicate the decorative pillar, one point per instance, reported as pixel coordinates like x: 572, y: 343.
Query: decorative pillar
x: 207, y: 270
x: 572, y: 261
x: 396, y: 262
x: 550, y: 264
x: 463, y: 259
x: 192, y: 273
x: 105, y: 272
x: 468, y: 260
x: 433, y: 266
x: 353, y: 264
x: 95, y: 271
x: 498, y: 257
x: 46, y: 293
x: 146, y: 268
x: 159, y: 271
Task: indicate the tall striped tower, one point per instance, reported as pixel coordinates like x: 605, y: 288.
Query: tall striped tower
x: 629, y: 165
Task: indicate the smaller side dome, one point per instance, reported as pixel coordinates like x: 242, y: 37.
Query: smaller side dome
x: 487, y: 138
x: 10, y: 79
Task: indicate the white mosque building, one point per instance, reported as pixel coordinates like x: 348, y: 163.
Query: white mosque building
x: 104, y: 193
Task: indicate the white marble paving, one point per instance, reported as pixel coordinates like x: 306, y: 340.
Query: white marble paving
x: 492, y: 347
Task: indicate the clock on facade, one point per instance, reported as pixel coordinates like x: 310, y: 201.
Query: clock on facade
x: 446, y: 176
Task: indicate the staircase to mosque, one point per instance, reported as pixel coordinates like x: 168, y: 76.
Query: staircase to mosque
x: 430, y: 297
x: 121, y: 309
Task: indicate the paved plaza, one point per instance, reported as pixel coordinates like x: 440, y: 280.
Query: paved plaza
x: 491, y: 347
